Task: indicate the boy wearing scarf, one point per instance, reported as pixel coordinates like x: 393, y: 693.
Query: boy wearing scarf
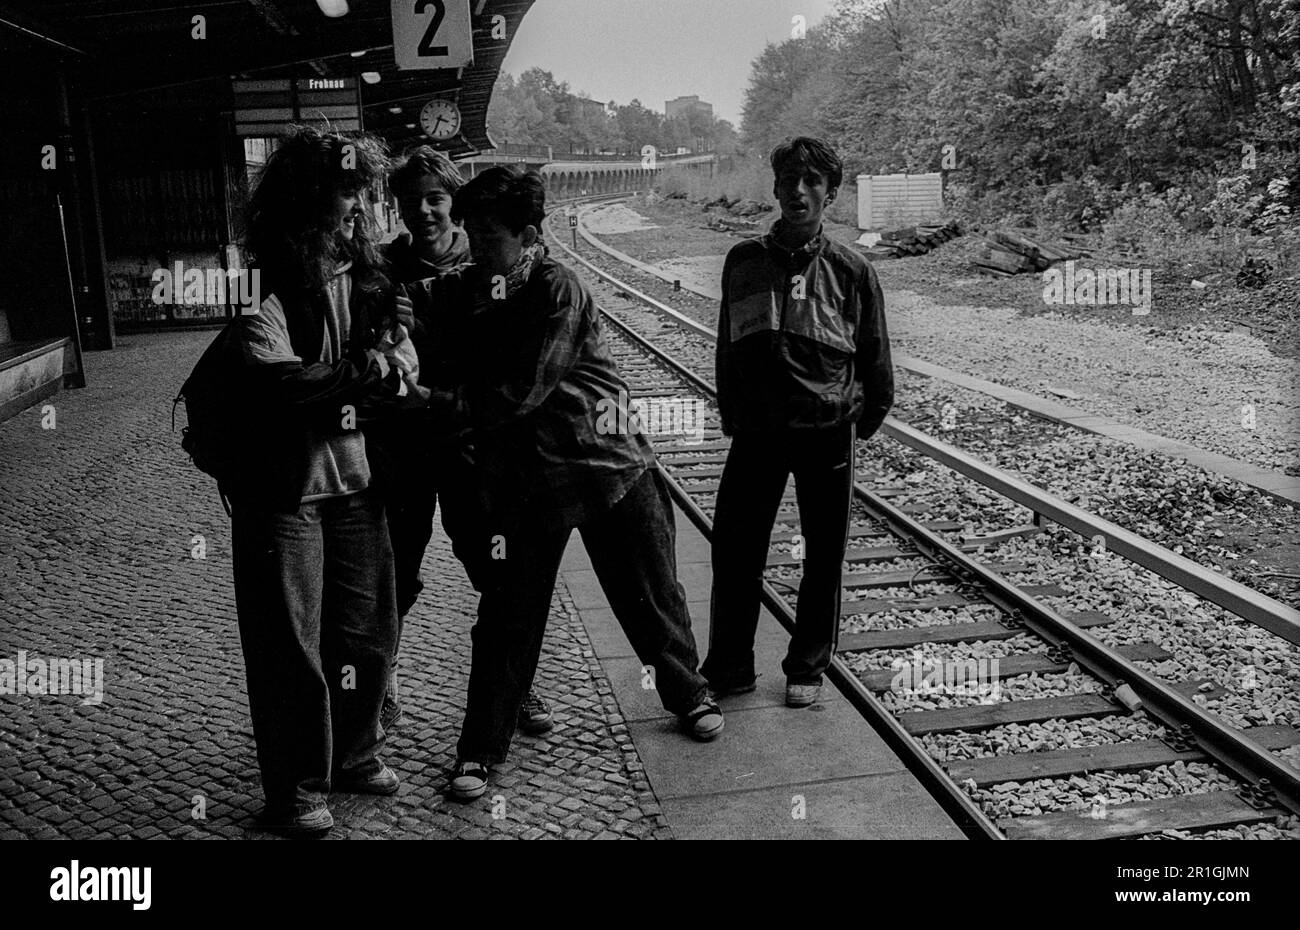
x: 529, y: 394
x: 427, y: 473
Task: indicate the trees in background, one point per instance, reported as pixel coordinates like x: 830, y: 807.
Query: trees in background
x: 536, y: 109
x: 1065, y: 109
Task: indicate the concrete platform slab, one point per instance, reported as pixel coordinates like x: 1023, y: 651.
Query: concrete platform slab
x: 871, y: 807
x: 742, y: 784
x: 609, y: 642
x: 761, y: 748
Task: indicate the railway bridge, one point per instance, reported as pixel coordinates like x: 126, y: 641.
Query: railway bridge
x: 577, y: 174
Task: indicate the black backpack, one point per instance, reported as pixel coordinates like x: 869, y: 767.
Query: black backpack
x: 216, y: 429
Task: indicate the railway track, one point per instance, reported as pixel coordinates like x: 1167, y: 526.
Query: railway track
x: 940, y: 633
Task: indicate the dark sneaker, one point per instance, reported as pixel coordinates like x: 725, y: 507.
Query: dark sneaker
x: 390, y: 715
x: 705, y: 721
x: 535, y: 715
x: 384, y: 781
x: 801, y: 695
x: 304, y: 822
x: 468, y: 780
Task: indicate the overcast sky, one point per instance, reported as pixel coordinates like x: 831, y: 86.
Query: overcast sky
x: 654, y: 50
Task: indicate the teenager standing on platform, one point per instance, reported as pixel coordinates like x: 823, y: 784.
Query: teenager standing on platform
x: 532, y: 399
x: 430, y: 472
x: 803, y: 368
x: 312, y: 564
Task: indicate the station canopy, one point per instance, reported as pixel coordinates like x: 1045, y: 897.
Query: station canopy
x: 117, y: 50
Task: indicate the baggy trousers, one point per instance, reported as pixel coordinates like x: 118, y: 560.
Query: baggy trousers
x: 410, y: 510
x: 749, y: 496
x: 317, y: 621
x: 422, y: 482
x: 633, y: 550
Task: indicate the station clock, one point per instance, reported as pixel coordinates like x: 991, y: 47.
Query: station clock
x: 440, y: 119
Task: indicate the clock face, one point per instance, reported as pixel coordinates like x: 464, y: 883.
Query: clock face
x: 440, y: 119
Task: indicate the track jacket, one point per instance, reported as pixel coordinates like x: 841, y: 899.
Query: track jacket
x: 802, y: 342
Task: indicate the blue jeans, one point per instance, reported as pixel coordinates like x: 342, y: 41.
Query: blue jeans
x: 632, y: 548
x: 318, y: 623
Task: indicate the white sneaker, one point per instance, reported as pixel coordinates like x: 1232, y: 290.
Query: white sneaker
x: 801, y: 695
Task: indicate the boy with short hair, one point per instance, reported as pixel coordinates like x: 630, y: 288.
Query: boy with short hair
x: 424, y: 182
x: 538, y: 377
x: 803, y: 366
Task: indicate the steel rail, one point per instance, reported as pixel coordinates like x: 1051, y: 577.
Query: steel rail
x: 1233, y: 596
x: 1244, y: 601
x: 956, y: 803
x: 1252, y: 762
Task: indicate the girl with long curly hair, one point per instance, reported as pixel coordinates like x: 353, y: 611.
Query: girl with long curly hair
x: 312, y: 561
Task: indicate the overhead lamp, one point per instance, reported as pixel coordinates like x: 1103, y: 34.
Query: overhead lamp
x: 394, y: 110
x: 410, y: 125
x: 333, y: 8
x: 360, y: 54
x: 370, y: 77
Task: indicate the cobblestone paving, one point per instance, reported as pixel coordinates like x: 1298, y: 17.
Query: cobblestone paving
x: 98, y: 519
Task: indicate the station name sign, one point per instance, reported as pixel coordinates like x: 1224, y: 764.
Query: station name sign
x: 270, y: 107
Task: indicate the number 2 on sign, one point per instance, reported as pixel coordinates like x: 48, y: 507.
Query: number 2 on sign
x: 426, y: 46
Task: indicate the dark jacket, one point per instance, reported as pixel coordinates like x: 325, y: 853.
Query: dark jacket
x: 802, y: 342
x: 536, y: 380
x: 405, y: 443
x: 406, y: 266
x: 283, y: 399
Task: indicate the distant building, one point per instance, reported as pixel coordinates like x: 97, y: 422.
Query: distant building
x: 684, y: 105
x: 589, y: 107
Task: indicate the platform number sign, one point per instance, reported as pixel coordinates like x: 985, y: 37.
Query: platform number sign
x: 432, y: 34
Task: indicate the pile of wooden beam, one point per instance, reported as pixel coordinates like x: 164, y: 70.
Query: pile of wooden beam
x: 913, y: 240
x: 731, y: 224
x: 1008, y: 251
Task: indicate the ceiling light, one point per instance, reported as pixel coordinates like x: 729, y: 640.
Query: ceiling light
x: 394, y: 110
x: 410, y: 125
x: 333, y: 8
x: 370, y: 77
x: 360, y: 54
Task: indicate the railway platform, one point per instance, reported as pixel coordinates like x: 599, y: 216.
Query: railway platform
x: 775, y: 772
x: 115, y: 550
